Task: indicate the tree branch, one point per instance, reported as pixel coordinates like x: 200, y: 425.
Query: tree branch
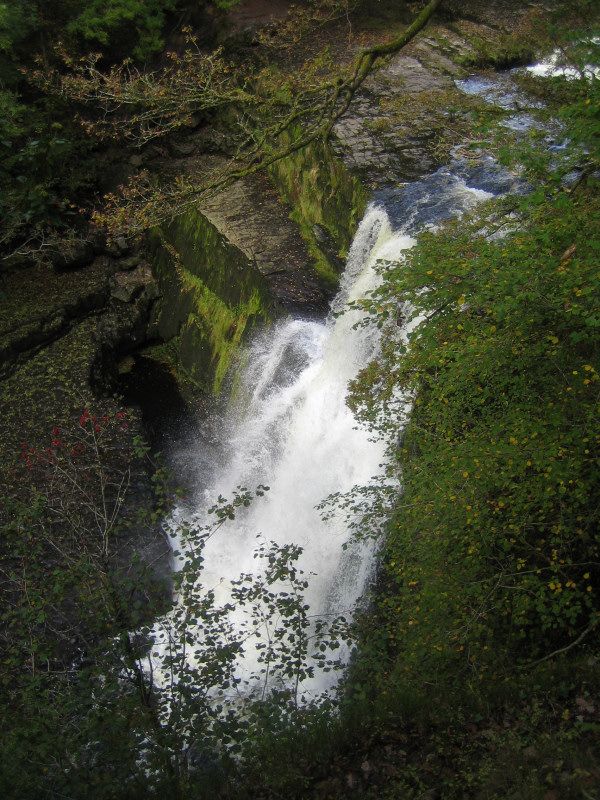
x: 311, y: 118
x: 565, y: 649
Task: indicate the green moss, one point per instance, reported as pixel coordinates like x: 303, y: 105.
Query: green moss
x: 211, y: 295
x: 215, y: 323
x: 506, y: 53
x: 168, y: 354
x: 39, y: 299
x: 501, y: 49
x: 327, y: 204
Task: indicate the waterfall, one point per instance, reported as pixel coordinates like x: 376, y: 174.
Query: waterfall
x: 289, y: 427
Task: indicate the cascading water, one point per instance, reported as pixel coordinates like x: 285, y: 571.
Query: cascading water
x: 290, y: 427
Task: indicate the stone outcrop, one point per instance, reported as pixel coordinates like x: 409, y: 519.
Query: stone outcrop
x: 211, y: 295
x: 251, y: 216
x: 400, y: 124
x: 266, y: 245
x: 373, y: 141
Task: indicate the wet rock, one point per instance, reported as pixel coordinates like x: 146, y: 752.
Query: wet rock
x: 408, y: 75
x: 125, y: 365
x: 126, y: 264
x: 98, y: 240
x: 370, y: 137
x: 321, y: 234
x: 122, y: 244
x: 118, y: 247
x: 126, y: 286
x: 249, y: 215
x: 182, y: 148
x: 389, y: 134
x: 151, y: 291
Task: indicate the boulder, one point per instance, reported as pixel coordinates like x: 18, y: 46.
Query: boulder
x: 118, y: 247
x: 127, y: 264
x: 73, y: 255
x: 126, y: 286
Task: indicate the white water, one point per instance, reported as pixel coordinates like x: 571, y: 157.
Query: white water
x: 553, y: 66
x: 292, y: 430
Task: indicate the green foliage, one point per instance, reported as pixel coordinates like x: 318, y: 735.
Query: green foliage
x: 111, y: 23
x: 16, y: 21
x: 125, y: 27
x: 112, y: 694
x: 50, y: 164
x: 496, y: 531
x: 478, y: 659
x: 581, y: 114
x: 493, y: 550
x: 45, y: 168
x: 11, y: 118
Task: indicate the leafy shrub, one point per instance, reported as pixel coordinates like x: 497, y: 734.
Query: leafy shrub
x: 493, y: 549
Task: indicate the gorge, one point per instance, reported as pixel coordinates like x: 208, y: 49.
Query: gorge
x: 365, y: 561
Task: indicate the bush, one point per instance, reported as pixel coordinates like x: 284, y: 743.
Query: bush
x: 130, y: 26
x: 493, y: 549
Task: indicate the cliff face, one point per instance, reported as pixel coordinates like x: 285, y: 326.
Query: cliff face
x: 211, y: 295
x: 290, y: 229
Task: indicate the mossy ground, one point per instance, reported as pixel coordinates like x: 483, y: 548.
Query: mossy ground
x: 49, y: 387
x: 59, y: 329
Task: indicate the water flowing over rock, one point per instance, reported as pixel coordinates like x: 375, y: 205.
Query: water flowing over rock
x: 288, y: 426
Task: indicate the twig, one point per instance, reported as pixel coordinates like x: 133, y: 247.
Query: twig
x: 565, y: 649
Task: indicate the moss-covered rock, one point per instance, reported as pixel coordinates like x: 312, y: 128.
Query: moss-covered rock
x: 327, y: 202
x: 211, y: 295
